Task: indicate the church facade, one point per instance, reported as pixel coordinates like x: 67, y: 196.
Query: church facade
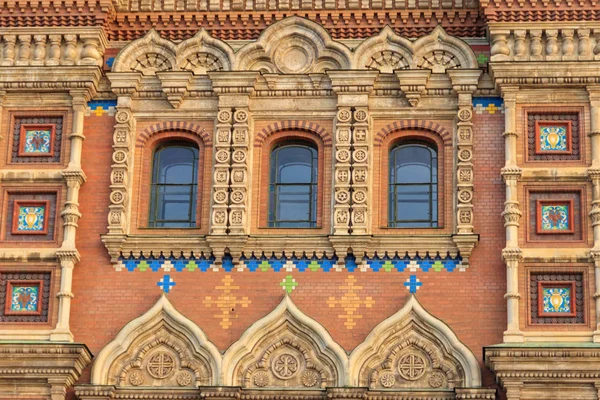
x: 300, y: 199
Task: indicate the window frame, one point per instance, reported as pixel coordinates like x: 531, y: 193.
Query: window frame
x: 392, y: 188
x: 153, y: 206
x: 272, y: 187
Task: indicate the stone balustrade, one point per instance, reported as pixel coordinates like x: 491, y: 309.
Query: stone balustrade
x: 545, y: 44
x: 34, y: 48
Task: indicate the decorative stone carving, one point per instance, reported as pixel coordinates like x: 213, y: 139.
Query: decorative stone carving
x: 160, y: 348
x: 302, y: 47
x: 240, y: 142
x: 360, y: 168
x: 150, y: 54
x: 285, y: 349
x: 222, y: 171
x: 413, y: 349
x: 342, y: 171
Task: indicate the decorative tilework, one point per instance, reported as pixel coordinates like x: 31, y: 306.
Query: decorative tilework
x: 30, y: 217
x: 303, y: 263
x: 553, y: 136
x: 554, y: 216
x: 288, y: 284
x: 99, y: 108
x: 413, y: 284
x: 37, y: 139
x: 226, y: 302
x: 350, y: 302
x: 166, y: 284
x: 488, y: 105
x: 24, y: 297
x: 556, y: 298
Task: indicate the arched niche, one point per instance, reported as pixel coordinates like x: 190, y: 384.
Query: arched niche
x: 162, y: 348
x: 413, y: 350
x: 285, y: 349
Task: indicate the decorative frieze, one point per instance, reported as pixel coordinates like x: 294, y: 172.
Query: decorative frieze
x: 361, y: 140
x: 222, y: 171
x: 545, y: 44
x: 240, y: 161
x: 342, y: 171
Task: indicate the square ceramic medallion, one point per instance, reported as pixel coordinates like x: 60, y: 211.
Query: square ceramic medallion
x: 36, y: 140
x: 554, y: 216
x: 30, y: 217
x: 23, y: 297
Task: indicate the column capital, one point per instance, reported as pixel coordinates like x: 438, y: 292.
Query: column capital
x: 509, y: 93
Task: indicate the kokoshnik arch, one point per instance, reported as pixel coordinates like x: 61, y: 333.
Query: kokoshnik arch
x: 268, y: 200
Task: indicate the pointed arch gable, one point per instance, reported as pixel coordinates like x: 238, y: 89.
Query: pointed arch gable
x: 148, y: 55
x: 413, y: 124
x: 293, y: 45
x: 385, y: 52
x: 160, y: 327
x: 412, y: 329
x: 439, y: 51
x: 285, y: 336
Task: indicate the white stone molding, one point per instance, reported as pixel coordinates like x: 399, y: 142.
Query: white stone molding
x: 293, y: 45
x: 152, y: 53
x: 441, y: 52
x: 285, y: 337
x: 165, y: 333
x: 412, y: 326
x: 385, y: 52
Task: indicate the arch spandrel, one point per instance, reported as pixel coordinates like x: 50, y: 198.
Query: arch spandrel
x: 160, y: 348
x: 413, y: 349
x: 285, y: 349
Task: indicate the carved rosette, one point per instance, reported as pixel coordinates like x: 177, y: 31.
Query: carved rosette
x: 465, y: 164
x: 122, y: 161
x: 221, y: 172
x: 239, y: 171
x: 360, y: 168
x: 342, y: 171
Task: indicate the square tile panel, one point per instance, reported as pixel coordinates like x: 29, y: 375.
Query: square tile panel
x: 557, y: 299
x: 24, y: 298
x: 553, y: 137
x: 36, y: 140
x: 30, y: 217
x: 554, y: 216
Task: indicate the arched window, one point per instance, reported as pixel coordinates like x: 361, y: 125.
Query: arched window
x: 293, y: 186
x: 174, y: 186
x: 413, y: 196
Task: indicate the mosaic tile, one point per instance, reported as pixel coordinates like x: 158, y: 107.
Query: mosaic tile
x: 350, y: 302
x: 24, y: 299
x: 557, y: 299
x: 30, y: 217
x: 488, y: 105
x: 555, y: 217
x: 288, y: 284
x: 166, y: 283
x: 37, y: 141
x: 553, y: 138
x: 99, y: 108
x: 226, y: 301
x: 413, y: 284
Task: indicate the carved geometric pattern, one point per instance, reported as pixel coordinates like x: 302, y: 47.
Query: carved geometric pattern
x: 574, y: 281
x: 534, y: 119
x: 387, y: 61
x: 20, y: 280
x: 150, y: 63
x: 439, y: 61
x: 350, y: 302
x: 18, y: 155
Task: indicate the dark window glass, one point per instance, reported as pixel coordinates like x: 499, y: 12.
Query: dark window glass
x: 293, y: 187
x: 413, y: 187
x: 174, y: 186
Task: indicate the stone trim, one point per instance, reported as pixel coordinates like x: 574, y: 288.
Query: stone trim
x: 293, y: 125
x: 184, y: 126
x: 413, y: 124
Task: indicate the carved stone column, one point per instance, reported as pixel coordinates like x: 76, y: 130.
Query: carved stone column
x: 342, y: 171
x: 9, y: 50
x: 68, y: 254
x: 511, y: 253
x: 238, y: 213
x: 122, y: 158
x: 594, y: 174
x: 360, y: 171
x: 221, y: 175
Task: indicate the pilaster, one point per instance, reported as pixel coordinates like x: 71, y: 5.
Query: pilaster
x: 594, y: 175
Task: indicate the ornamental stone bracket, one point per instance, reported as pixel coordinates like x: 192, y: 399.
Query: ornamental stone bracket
x: 539, y: 371
x: 40, y: 369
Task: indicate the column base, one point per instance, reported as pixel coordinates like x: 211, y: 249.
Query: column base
x: 513, y: 337
x: 61, y: 336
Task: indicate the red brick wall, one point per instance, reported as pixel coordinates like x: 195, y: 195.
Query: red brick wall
x: 470, y: 302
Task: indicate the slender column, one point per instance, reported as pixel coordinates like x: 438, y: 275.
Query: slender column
x: 68, y: 254
x: 511, y: 253
x: 238, y: 213
x: 465, y: 161
x: 594, y: 174
x: 343, y: 158
x: 360, y: 171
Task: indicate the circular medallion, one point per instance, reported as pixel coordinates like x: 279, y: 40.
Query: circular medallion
x: 360, y: 115
x: 344, y: 115
x: 183, y: 378
x: 285, y: 366
x: 261, y: 379
x: 309, y: 378
x: 240, y: 116
x: 436, y: 379
x: 224, y: 116
x: 160, y: 365
x: 136, y: 378
x: 122, y: 116
x: 411, y: 366
x: 387, y: 380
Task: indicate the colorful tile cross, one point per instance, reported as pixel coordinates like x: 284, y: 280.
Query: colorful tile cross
x: 166, y: 283
x: 413, y: 284
x: 288, y: 284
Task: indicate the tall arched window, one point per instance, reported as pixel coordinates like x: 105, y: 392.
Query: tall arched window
x: 413, y: 187
x: 293, y: 186
x: 174, y: 186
